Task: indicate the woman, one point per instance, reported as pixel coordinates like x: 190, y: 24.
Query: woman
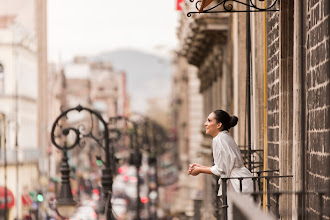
x: 227, y: 157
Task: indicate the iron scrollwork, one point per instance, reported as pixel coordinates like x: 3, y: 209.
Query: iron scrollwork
x: 228, y: 7
x: 81, y: 132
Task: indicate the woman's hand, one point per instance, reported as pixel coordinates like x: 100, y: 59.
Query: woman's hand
x: 195, y: 165
x: 193, y: 169
x: 190, y: 169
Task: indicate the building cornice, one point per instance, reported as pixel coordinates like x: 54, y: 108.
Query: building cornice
x: 200, y: 35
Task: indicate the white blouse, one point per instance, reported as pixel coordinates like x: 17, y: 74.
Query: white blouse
x: 228, y: 162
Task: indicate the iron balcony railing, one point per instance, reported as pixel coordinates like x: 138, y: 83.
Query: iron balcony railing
x: 273, y: 199
x: 254, y: 179
x: 253, y: 159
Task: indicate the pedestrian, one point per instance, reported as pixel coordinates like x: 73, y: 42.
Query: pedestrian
x: 227, y: 157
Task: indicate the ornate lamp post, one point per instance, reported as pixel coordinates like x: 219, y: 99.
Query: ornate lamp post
x: 66, y: 205
x: 60, y: 132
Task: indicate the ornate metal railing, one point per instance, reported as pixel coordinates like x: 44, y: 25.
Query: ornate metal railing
x: 273, y: 207
x: 253, y: 159
x: 227, y: 6
x: 255, y: 192
x: 259, y: 179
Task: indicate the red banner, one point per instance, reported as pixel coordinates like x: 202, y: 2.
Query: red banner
x: 178, y: 7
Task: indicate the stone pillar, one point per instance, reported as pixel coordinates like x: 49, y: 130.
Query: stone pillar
x: 298, y: 163
x: 285, y: 104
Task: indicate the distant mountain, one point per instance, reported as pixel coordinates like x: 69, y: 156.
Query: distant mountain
x: 148, y: 75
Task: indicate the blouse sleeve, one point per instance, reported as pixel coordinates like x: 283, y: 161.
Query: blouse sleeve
x: 223, y: 159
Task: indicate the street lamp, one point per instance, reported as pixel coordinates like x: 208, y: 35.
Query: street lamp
x: 59, y: 134
x: 66, y: 205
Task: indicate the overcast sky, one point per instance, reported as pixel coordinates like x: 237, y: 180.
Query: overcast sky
x: 88, y: 27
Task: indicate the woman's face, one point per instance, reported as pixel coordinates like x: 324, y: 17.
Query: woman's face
x: 211, y: 125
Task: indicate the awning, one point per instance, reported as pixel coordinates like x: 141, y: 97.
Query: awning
x: 26, y: 199
x: 10, y: 198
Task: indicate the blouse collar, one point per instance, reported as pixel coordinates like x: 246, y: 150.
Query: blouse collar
x: 224, y: 131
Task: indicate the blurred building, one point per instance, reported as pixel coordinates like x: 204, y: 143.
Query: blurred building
x: 186, y: 124
x: 157, y: 110
x: 271, y: 70
x: 96, y: 84
x: 108, y: 89
x: 23, y: 101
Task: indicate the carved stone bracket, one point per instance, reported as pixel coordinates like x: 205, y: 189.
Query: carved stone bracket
x: 205, y: 32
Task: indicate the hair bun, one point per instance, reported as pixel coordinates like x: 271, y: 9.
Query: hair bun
x: 233, y: 121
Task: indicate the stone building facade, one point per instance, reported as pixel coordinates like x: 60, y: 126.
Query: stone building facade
x: 96, y: 84
x: 285, y: 113
x: 186, y: 120
x: 24, y: 55
x: 298, y: 66
x: 20, y: 102
x: 317, y: 92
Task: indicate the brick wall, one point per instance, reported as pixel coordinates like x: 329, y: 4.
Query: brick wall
x: 273, y: 93
x: 318, y: 104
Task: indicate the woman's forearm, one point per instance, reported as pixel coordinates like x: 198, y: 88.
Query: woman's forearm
x: 205, y: 169
x: 198, y: 165
x: 195, y: 169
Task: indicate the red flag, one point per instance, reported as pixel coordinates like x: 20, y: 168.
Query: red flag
x: 178, y: 7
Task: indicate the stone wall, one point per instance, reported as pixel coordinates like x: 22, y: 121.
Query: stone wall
x: 273, y: 93
x: 318, y: 104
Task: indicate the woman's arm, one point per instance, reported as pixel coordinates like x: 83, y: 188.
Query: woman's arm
x: 196, y: 165
x: 193, y: 166
x: 195, y: 170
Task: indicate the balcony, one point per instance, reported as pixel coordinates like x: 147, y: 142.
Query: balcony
x: 244, y: 208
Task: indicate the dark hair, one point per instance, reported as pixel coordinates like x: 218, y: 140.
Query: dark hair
x: 226, y: 120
